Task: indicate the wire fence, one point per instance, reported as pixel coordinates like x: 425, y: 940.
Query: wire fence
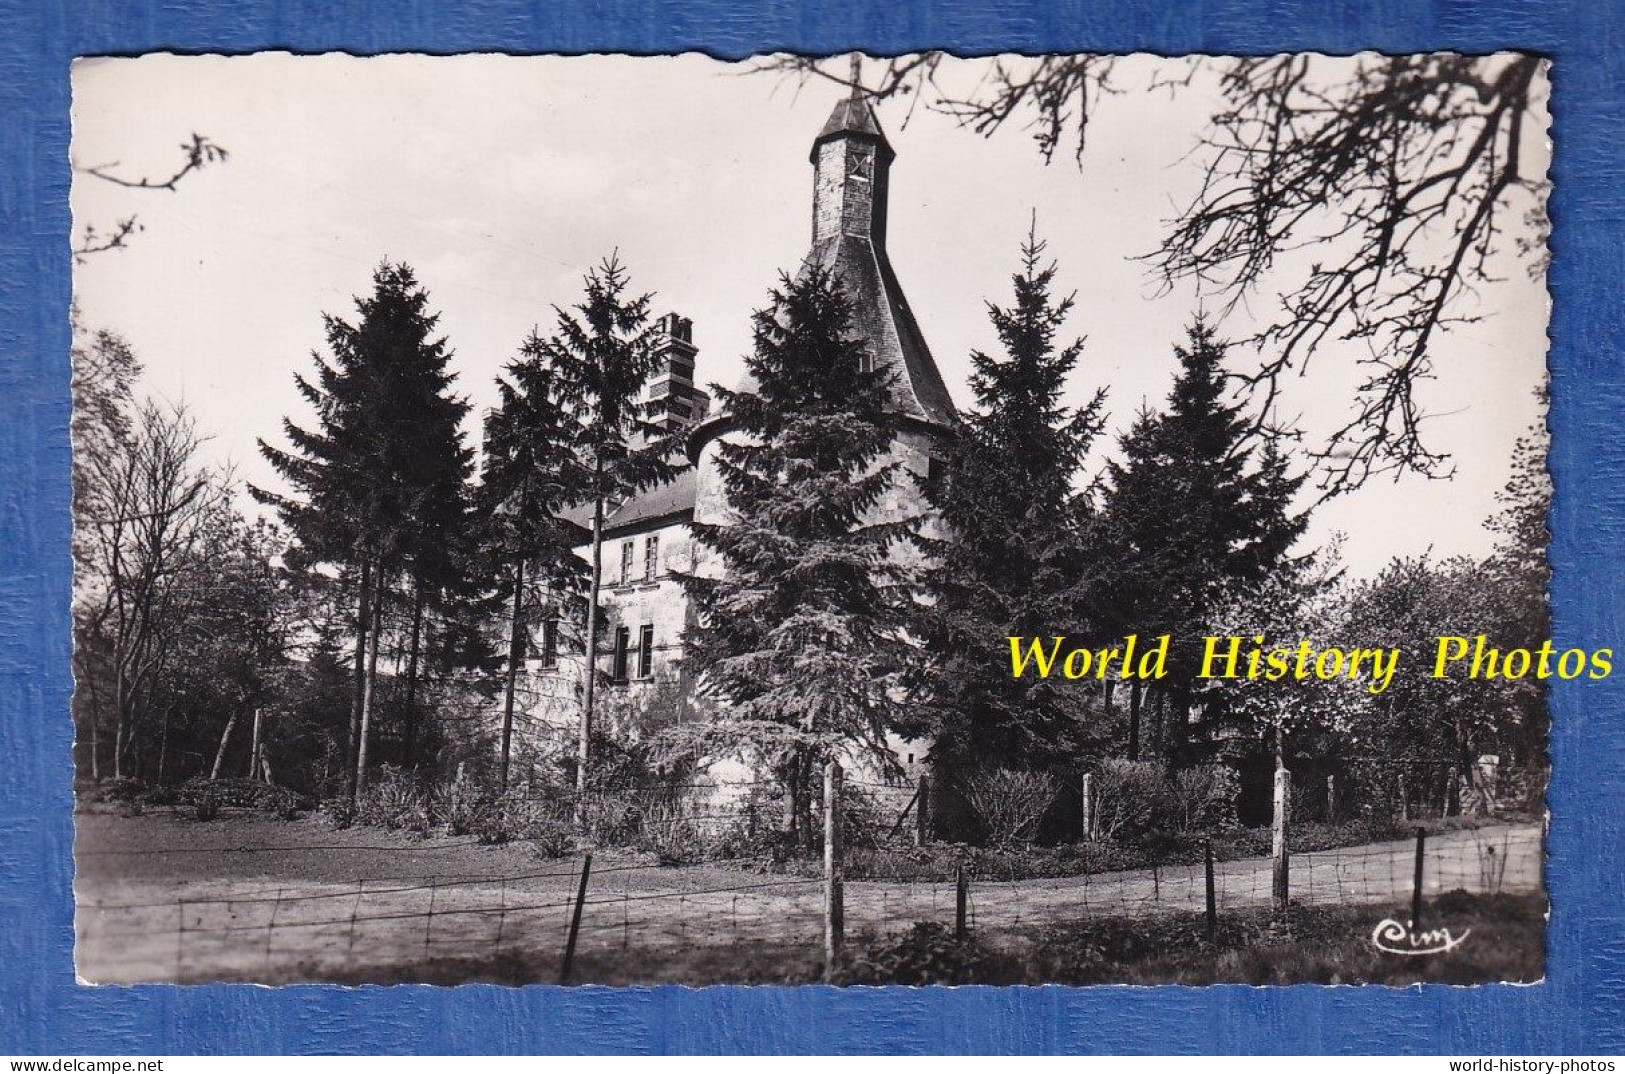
x: 623, y: 917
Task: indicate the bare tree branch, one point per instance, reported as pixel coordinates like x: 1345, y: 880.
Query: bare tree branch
x: 198, y: 153
x: 1396, y: 171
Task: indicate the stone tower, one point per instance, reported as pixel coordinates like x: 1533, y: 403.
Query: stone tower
x: 852, y: 161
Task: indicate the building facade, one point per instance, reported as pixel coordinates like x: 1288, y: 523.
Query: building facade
x: 648, y: 539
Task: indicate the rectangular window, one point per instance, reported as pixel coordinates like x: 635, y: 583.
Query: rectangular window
x: 626, y: 562
x: 623, y: 640
x: 651, y: 557
x: 646, y: 651
x: 550, y: 643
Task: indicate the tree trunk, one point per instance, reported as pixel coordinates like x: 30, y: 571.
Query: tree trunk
x: 793, y: 825
x: 1134, y: 696
x: 220, y: 752
x: 254, y: 746
x: 367, y: 691
x: 1159, y: 713
x: 95, y: 743
x: 120, y: 718
x: 516, y: 649
x: 412, y: 660
x: 163, y: 744
x: 358, y: 697
x: 589, y: 693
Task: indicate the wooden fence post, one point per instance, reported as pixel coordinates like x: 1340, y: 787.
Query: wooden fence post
x: 575, y: 920
x: 1279, y: 850
x: 922, y: 812
x: 961, y: 901
x: 1088, y: 803
x: 834, y: 923
x: 457, y: 792
x: 1212, y: 901
x: 1416, y: 885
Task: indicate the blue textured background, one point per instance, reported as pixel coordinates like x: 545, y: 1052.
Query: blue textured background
x: 1580, y: 1008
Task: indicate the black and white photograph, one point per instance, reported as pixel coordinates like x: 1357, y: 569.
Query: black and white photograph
x: 854, y: 520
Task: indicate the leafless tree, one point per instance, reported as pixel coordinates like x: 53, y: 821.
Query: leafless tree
x: 1397, y: 173
x: 149, y: 523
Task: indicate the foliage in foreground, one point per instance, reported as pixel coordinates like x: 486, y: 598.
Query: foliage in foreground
x: 1315, y: 945
x: 1318, y: 945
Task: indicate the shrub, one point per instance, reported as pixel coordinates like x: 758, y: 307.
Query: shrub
x: 615, y: 818
x: 671, y: 837
x: 161, y: 796
x: 244, y: 793
x: 393, y: 800
x: 461, y: 815
x: 1191, y: 796
x: 865, y: 822
x: 754, y: 829
x: 1009, y: 803
x: 1127, y: 796
x: 519, y: 819
x: 207, y: 807
x: 550, y: 837
x: 112, y: 790
x: 340, y: 812
x: 926, y: 954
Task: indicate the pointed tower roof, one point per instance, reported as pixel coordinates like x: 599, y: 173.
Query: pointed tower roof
x: 851, y: 189
x: 853, y: 118
x: 852, y: 160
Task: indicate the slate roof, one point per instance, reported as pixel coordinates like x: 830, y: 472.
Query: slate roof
x: 853, y: 117
x: 881, y: 312
x: 673, y: 501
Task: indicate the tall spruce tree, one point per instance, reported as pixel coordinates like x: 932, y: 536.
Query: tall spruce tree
x: 603, y: 354
x: 1190, y: 516
x: 803, y: 638
x: 1012, y: 560
x: 379, y: 486
x: 532, y: 473
x: 443, y: 589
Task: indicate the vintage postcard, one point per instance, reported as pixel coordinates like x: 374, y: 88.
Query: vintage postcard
x: 873, y: 520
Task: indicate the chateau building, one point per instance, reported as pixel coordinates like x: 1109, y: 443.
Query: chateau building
x: 649, y: 536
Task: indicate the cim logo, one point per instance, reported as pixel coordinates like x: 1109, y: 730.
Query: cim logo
x: 1398, y: 938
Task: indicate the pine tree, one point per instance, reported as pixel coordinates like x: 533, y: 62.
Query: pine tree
x: 603, y: 355
x: 803, y: 637
x: 379, y: 487
x: 443, y: 586
x: 532, y: 473
x: 1012, y: 561
x: 1190, y: 516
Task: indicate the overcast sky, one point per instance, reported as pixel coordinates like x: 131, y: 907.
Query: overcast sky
x: 500, y: 179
